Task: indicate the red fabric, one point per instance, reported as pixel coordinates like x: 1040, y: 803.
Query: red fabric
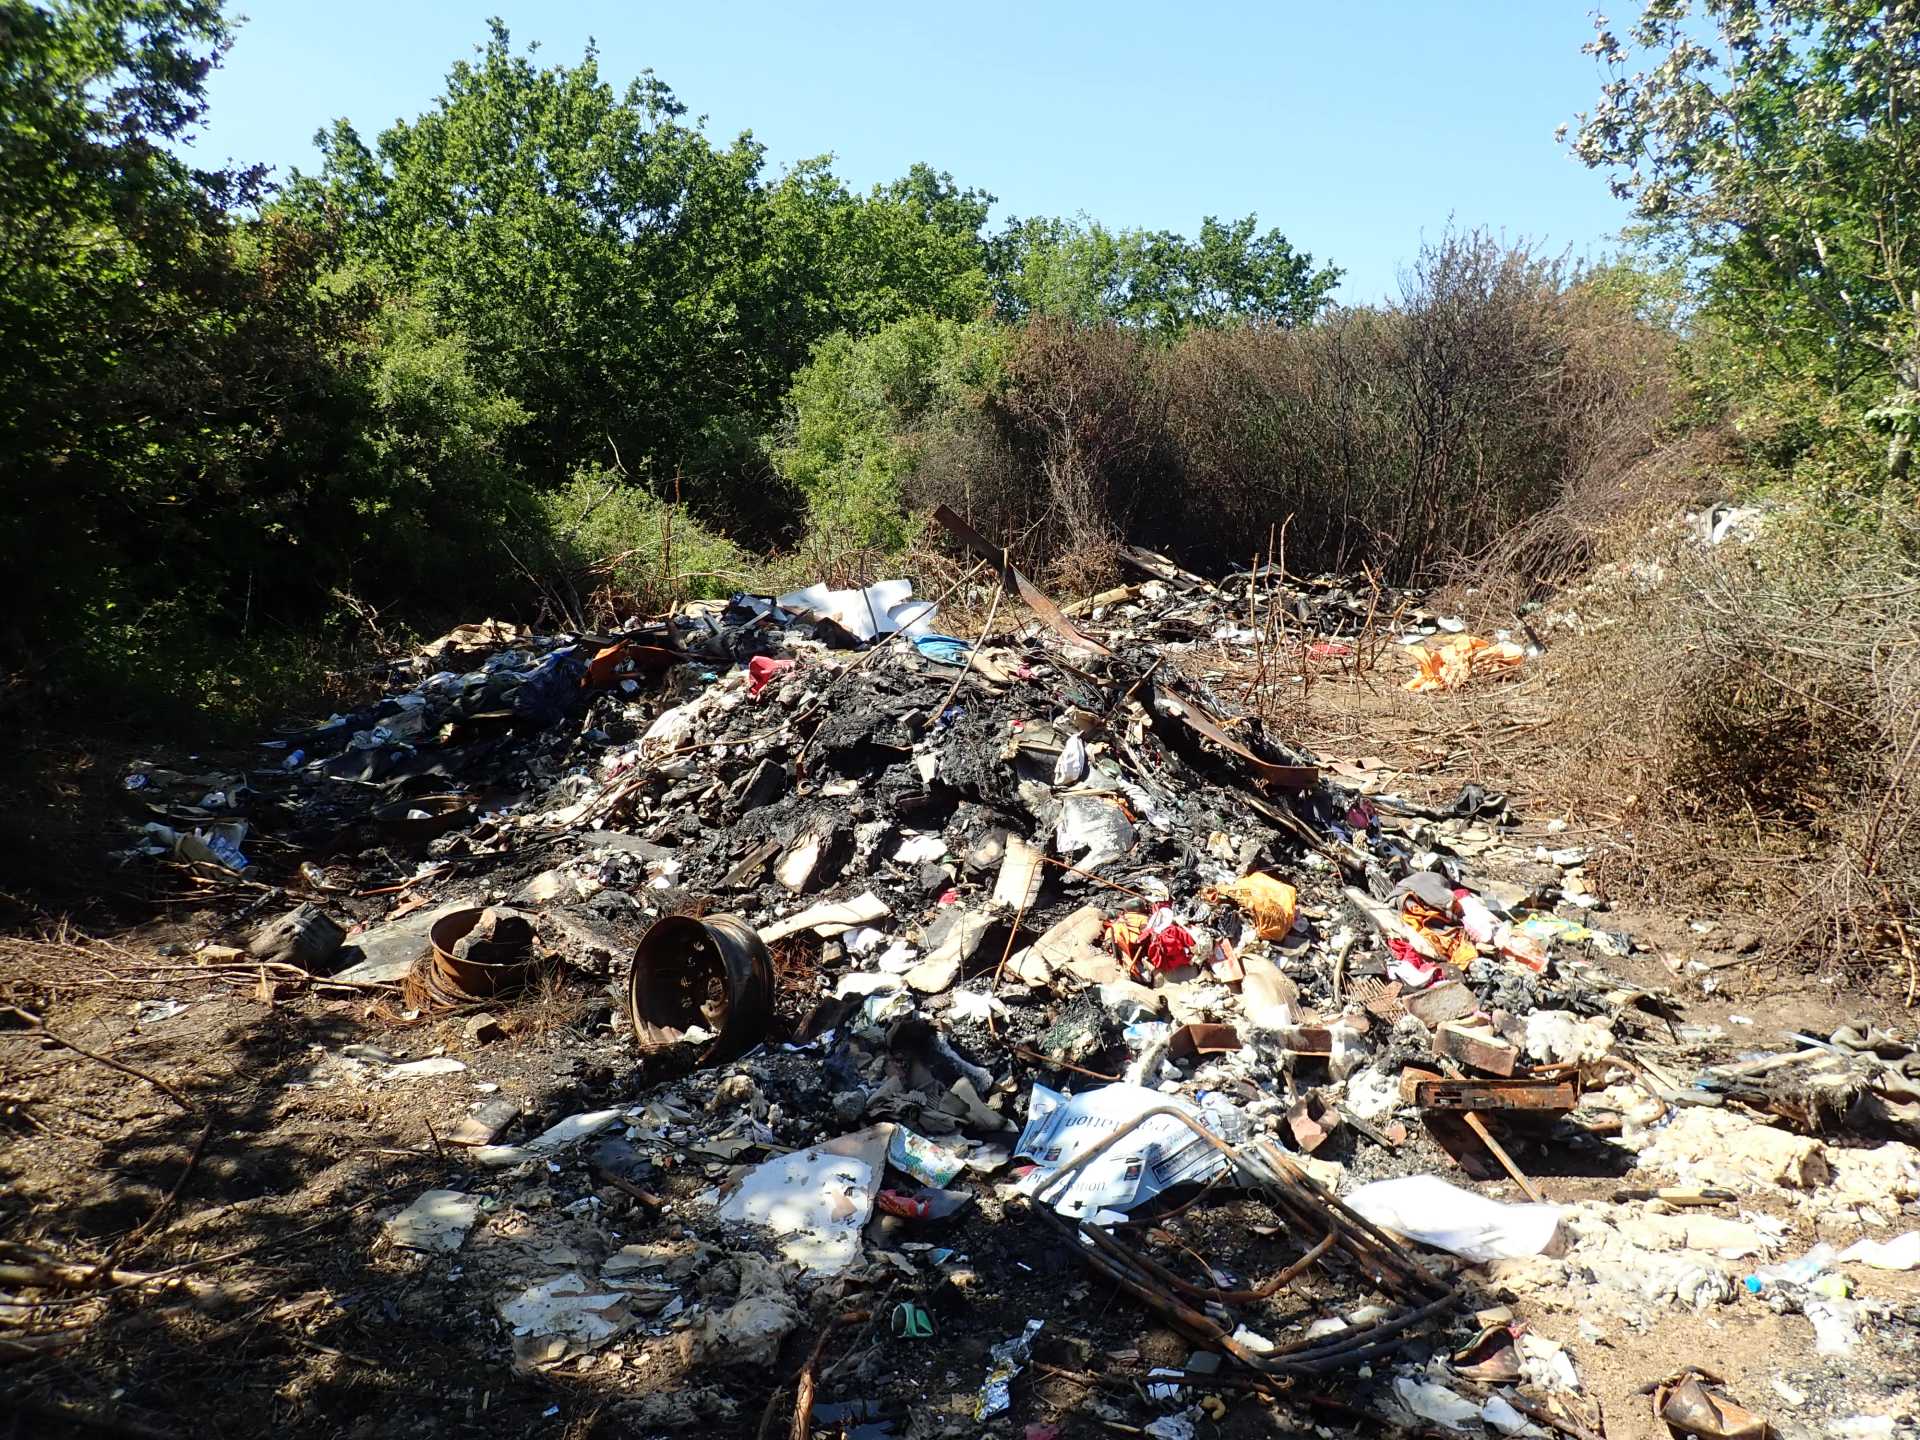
x: 1410, y: 967
x: 1169, y: 943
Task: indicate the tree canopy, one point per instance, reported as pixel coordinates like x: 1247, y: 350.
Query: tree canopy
x: 1157, y: 281
x: 224, y: 406
x: 1778, y: 140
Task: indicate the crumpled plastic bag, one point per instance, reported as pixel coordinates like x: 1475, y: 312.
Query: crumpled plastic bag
x: 1437, y: 1403
x: 1071, y: 768
x: 1272, y: 903
x: 1460, y: 659
x: 1428, y: 1209
x: 1900, y: 1254
x: 670, y: 728
x: 1096, y: 825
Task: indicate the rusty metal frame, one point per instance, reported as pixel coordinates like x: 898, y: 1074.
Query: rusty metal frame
x: 1309, y: 1209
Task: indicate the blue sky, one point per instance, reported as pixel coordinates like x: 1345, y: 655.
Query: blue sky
x: 1356, y: 128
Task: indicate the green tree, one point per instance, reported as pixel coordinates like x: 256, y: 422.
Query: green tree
x: 860, y: 262
x: 207, y: 428
x: 111, y: 254
x: 1777, y: 140
x: 1155, y: 280
x: 594, y: 247
x: 861, y: 411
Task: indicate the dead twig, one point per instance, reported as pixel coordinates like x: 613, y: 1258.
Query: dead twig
x: 803, y: 1396
x: 39, y: 1027
x: 167, y: 1201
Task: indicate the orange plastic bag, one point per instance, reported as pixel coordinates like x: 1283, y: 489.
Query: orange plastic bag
x: 1459, y: 659
x: 1271, y: 902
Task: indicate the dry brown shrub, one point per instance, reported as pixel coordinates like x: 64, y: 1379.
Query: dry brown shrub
x: 1403, y: 438
x: 1081, y: 409
x: 1752, y: 711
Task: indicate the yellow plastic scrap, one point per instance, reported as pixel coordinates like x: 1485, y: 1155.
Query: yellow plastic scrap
x: 1272, y: 903
x: 1128, y: 928
x: 1459, y: 659
x: 1450, y: 945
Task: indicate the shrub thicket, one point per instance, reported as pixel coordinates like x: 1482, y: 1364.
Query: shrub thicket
x: 1499, y: 388
x: 608, y: 549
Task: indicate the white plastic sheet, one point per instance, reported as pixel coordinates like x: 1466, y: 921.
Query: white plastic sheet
x: 1428, y: 1209
x: 1437, y: 1403
x: 564, y: 1135
x: 816, y: 1200
x: 880, y: 609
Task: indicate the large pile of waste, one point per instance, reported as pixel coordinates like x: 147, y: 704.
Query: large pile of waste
x: 926, y: 954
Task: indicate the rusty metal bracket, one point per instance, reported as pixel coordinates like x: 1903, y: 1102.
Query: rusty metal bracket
x: 1014, y: 583
x: 1430, y: 1092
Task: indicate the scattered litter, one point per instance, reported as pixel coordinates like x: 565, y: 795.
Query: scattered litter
x: 426, y: 1069
x: 828, y: 891
x: 438, y: 1221
x: 1898, y: 1254
x: 1007, y: 1360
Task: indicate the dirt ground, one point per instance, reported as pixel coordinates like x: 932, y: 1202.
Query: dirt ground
x: 245, y: 1151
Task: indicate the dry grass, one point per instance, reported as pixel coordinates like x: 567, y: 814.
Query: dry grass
x: 1752, y: 711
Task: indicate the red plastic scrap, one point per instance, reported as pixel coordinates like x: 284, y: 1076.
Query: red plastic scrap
x: 761, y: 669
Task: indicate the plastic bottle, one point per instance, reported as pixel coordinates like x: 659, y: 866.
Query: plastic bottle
x: 1804, y: 1272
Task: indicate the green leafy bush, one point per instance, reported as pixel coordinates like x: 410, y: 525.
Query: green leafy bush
x: 861, y: 412
x: 611, y: 539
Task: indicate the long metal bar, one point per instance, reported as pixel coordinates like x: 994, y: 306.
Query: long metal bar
x: 1014, y: 583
